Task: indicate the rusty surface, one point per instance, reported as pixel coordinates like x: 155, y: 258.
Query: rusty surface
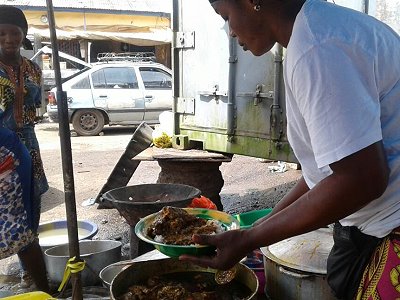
x: 205, y: 176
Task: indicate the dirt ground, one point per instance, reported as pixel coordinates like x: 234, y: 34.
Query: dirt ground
x: 248, y: 184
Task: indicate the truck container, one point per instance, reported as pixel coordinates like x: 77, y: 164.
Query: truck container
x: 225, y: 99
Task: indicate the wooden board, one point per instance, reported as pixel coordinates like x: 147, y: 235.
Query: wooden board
x: 154, y: 153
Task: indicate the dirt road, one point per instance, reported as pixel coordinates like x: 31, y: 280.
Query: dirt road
x: 248, y: 182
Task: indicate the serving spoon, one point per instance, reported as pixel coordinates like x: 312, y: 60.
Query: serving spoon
x: 225, y: 276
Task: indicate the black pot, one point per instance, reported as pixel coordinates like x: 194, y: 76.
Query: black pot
x: 137, y: 201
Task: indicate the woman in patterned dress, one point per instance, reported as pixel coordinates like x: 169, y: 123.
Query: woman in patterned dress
x: 16, y: 235
x: 20, y: 96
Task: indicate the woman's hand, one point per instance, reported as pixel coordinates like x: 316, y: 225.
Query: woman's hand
x: 231, y: 247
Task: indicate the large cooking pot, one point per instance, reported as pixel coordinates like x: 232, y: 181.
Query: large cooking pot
x: 97, y: 254
x: 139, y: 272
x: 295, y: 269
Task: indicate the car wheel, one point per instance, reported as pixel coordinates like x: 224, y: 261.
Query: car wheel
x: 88, y: 122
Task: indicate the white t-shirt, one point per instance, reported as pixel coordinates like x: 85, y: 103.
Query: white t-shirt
x: 342, y: 80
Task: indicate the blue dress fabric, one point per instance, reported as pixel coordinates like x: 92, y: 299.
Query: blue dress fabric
x: 32, y: 97
x: 15, y: 195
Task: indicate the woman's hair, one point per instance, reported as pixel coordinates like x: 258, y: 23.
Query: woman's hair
x: 14, y: 16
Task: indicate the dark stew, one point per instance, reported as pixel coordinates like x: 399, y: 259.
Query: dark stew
x: 186, y: 286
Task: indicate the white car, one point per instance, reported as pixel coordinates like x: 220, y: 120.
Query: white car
x: 115, y: 93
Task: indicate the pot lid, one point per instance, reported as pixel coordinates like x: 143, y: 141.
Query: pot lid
x: 307, y: 252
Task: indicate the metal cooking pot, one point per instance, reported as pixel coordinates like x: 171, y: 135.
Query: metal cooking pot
x: 295, y: 269
x: 141, y: 271
x: 108, y: 273
x: 97, y: 254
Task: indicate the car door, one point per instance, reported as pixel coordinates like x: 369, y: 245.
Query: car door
x: 116, y: 90
x: 157, y: 92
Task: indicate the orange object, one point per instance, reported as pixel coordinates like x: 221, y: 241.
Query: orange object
x: 202, y: 202
x: 7, y: 164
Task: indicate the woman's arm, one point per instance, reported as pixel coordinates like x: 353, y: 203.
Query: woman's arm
x: 356, y: 180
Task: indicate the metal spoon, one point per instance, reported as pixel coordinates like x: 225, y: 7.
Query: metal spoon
x: 224, y: 277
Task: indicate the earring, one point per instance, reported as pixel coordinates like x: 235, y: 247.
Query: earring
x: 257, y: 7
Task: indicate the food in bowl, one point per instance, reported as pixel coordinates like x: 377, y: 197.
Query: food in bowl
x: 175, y: 226
x: 186, y: 285
x: 226, y: 221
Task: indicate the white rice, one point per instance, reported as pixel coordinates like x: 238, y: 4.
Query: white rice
x: 159, y: 239
x: 217, y: 224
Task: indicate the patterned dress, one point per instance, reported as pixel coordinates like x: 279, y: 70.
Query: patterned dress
x: 15, y: 189
x: 20, y: 96
x: 381, y: 278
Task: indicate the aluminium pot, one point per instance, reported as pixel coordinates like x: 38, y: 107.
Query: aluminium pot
x: 108, y: 273
x: 141, y: 271
x: 97, y: 254
x: 295, y: 268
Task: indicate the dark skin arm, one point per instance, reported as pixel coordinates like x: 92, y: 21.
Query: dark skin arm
x: 356, y: 181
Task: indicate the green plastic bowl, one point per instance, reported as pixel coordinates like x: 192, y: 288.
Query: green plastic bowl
x: 247, y: 219
x: 227, y: 221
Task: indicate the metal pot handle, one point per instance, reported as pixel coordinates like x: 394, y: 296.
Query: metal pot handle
x: 293, y: 274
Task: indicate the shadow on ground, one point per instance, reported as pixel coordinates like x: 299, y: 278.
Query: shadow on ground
x: 51, y: 199
x: 255, y: 199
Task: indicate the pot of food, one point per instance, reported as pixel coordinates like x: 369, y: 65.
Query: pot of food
x: 295, y: 269
x: 170, y: 279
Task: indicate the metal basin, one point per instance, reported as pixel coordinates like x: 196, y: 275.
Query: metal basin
x: 110, y: 271
x: 97, y: 255
x: 141, y: 271
x: 137, y: 201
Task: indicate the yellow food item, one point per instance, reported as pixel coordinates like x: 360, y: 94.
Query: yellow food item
x: 163, y: 141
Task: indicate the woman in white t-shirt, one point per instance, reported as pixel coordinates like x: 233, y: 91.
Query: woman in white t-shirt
x: 342, y: 83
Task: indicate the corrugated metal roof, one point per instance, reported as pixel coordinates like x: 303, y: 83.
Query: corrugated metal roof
x: 151, y: 6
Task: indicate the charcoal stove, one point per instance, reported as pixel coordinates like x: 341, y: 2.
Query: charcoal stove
x: 137, y: 201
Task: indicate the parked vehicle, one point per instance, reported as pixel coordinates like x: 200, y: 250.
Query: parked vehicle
x: 48, y: 73
x: 115, y: 92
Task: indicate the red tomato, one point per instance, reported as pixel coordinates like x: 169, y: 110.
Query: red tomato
x: 202, y: 202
